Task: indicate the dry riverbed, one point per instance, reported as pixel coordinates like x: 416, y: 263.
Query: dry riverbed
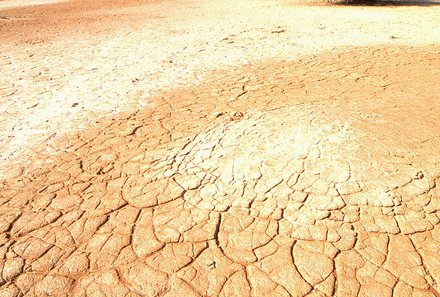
x: 206, y: 148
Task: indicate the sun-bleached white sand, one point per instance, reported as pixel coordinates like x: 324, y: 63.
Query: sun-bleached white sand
x: 17, y: 3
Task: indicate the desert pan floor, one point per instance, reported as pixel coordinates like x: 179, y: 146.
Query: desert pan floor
x: 219, y: 148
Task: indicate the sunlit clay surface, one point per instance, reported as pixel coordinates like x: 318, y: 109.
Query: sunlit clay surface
x: 219, y: 148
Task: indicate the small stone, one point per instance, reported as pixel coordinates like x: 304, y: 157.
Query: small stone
x: 236, y: 116
x: 419, y: 175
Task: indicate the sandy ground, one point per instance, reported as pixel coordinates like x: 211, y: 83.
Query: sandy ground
x: 206, y: 148
x: 74, y: 62
x: 8, y: 4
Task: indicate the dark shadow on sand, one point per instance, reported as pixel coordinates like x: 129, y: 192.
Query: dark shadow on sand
x: 390, y: 3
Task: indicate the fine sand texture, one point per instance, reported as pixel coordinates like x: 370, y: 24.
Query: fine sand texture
x: 8, y: 4
x: 219, y: 148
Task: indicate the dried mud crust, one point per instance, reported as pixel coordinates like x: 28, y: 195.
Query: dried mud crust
x: 317, y: 177
x: 85, y: 59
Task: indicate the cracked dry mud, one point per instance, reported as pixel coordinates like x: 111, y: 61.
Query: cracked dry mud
x: 317, y: 176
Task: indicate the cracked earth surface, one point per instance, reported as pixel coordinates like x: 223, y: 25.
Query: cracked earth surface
x: 307, y: 171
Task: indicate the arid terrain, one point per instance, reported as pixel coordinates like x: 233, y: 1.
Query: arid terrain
x: 219, y: 148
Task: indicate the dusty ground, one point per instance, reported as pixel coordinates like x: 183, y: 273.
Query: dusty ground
x: 234, y: 148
